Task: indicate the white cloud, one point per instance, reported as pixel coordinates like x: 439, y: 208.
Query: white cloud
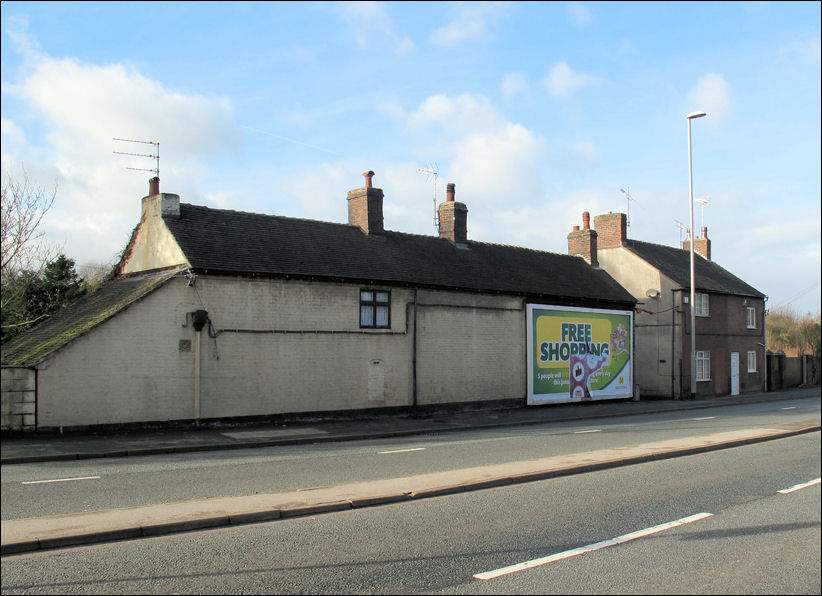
x: 493, y: 167
x: 367, y: 19
x: 459, y: 115
x: 579, y: 14
x: 514, y: 84
x: 587, y: 151
x: 82, y: 108
x: 712, y: 95
x: 470, y: 23
x: 561, y: 82
x: 807, y: 51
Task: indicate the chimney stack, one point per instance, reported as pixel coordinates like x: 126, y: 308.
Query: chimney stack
x: 453, y: 218
x: 702, y: 246
x: 365, y: 207
x: 583, y: 243
x: 612, y: 230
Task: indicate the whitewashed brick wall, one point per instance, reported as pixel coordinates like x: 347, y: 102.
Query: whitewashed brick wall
x: 282, y: 346
x: 18, y: 395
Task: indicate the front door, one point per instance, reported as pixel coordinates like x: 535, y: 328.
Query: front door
x: 734, y: 373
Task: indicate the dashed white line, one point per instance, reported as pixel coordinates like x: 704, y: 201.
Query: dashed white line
x: 60, y: 480
x: 582, y: 432
x: 789, y: 408
x: 797, y: 487
x: 590, y: 548
x: 402, y: 450
x: 704, y: 418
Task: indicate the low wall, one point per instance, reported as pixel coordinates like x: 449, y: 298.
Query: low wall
x: 18, y: 398
x: 787, y: 372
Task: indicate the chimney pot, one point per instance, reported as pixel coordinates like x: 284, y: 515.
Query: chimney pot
x: 453, y: 218
x: 583, y: 243
x: 154, y: 186
x: 704, y: 232
x: 449, y: 192
x: 365, y: 207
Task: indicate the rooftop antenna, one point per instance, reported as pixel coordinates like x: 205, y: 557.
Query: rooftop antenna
x: 432, y: 171
x: 681, y: 227
x: 156, y: 156
x: 627, y: 194
x: 702, y: 202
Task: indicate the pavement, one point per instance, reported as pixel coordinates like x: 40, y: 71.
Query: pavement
x: 26, y: 535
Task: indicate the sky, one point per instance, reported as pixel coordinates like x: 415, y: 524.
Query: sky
x: 536, y: 111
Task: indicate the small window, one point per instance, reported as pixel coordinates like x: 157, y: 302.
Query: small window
x: 751, y: 361
x: 375, y: 309
x: 751, y: 317
x: 701, y: 305
x: 703, y: 366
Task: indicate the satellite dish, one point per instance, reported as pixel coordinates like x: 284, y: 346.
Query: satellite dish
x: 652, y: 293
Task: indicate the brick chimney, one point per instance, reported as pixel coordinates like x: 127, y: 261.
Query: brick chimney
x: 702, y: 246
x: 612, y: 230
x: 453, y: 218
x: 160, y: 204
x: 583, y: 243
x: 365, y: 207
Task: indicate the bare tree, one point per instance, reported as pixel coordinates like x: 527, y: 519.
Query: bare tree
x: 24, y: 205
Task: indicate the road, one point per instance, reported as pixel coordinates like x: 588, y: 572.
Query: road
x: 750, y: 539
x: 36, y: 490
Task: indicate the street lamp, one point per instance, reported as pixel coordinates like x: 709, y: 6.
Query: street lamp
x: 690, y: 117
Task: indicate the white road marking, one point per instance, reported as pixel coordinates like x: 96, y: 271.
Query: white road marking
x: 582, y: 432
x: 705, y: 418
x: 799, y: 486
x: 60, y: 480
x: 590, y: 548
x: 403, y: 450
x: 790, y: 408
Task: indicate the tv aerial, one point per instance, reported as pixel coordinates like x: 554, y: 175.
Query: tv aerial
x: 433, y: 173
x: 628, y: 196
x: 680, y: 226
x: 155, y: 156
x: 702, y: 202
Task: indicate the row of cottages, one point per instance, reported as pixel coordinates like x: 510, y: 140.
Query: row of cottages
x: 218, y: 314
x: 729, y: 314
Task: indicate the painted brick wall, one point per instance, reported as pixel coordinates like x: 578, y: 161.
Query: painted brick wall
x: 470, y: 348
x: 279, y: 346
x: 18, y: 391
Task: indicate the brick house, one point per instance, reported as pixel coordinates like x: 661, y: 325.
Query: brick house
x: 218, y: 314
x: 730, y: 315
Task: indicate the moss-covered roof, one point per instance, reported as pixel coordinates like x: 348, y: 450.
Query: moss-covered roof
x: 33, y: 346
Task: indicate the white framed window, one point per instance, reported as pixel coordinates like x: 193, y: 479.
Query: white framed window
x: 703, y: 366
x: 375, y: 309
x: 701, y: 306
x: 751, y: 317
x: 751, y: 361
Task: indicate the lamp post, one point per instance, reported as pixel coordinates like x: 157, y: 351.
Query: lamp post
x: 690, y: 117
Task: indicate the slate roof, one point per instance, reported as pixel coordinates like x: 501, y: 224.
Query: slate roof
x: 231, y: 242
x: 31, y: 347
x: 676, y: 264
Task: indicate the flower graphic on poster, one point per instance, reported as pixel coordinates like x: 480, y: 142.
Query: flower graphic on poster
x: 582, y: 366
x: 619, y: 340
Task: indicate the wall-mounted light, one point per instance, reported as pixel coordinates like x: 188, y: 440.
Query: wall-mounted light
x: 652, y: 293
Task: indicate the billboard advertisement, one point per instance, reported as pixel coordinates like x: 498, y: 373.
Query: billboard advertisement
x: 578, y: 354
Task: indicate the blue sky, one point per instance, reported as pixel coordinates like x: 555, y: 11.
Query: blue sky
x: 536, y: 111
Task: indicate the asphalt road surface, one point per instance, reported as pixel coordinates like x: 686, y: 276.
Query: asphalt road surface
x: 603, y: 532
x: 54, y: 488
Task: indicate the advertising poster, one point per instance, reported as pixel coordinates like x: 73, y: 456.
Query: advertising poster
x: 578, y: 354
